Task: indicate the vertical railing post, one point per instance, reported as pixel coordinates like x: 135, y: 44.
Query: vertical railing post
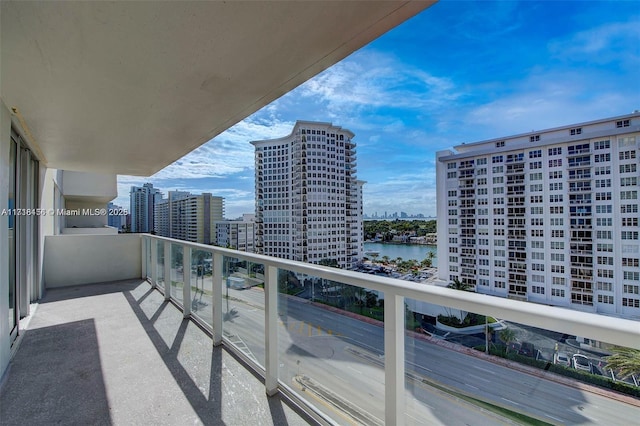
x: 167, y: 270
x: 143, y: 256
x: 394, y: 359
x: 217, y: 298
x: 271, y: 330
x: 186, y: 281
x: 154, y: 262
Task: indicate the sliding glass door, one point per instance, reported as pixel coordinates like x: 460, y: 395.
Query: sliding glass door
x: 23, y: 232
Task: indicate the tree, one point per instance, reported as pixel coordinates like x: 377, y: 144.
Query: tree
x: 625, y: 361
x: 507, y: 335
x: 431, y: 255
x: 463, y: 286
x: 385, y: 259
x: 328, y: 262
x: 426, y: 263
x: 460, y: 285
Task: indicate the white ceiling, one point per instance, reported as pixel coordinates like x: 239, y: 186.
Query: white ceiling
x: 129, y: 87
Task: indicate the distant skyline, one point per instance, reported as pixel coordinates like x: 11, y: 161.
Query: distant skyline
x: 458, y: 72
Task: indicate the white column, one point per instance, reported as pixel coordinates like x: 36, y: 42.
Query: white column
x: 167, y: 270
x: 154, y: 262
x: 271, y: 330
x: 143, y: 250
x: 186, y: 281
x: 394, y: 359
x: 217, y: 298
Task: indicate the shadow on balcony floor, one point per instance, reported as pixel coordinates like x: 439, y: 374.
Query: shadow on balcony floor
x: 118, y: 353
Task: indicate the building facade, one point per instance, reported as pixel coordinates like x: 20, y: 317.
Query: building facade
x: 237, y: 234
x: 308, y: 200
x: 188, y: 217
x: 116, y: 217
x: 142, y: 201
x: 549, y: 216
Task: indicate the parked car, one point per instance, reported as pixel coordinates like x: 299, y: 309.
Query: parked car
x: 562, y: 358
x: 527, y: 349
x: 514, y: 347
x: 581, y: 362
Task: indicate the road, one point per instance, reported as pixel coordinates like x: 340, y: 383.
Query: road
x: 346, y: 356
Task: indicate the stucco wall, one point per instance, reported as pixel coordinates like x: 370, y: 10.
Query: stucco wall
x: 87, y: 259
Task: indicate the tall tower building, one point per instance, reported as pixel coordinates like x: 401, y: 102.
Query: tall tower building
x: 142, y: 201
x: 308, y: 200
x: 549, y: 216
x: 189, y: 217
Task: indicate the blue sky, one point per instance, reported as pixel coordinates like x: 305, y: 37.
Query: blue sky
x: 458, y: 72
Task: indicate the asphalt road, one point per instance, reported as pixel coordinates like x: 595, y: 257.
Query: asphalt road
x: 347, y: 356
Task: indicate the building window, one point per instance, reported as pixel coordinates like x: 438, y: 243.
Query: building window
x: 603, y: 298
x: 623, y: 123
x: 630, y: 303
x: 499, y: 144
x: 627, y: 155
x: 576, y: 131
x: 534, y: 138
x: 606, y: 144
x: 555, y: 151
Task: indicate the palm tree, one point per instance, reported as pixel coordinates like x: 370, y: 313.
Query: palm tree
x: 507, y: 336
x: 625, y: 361
x: 431, y: 255
x: 460, y: 285
x: 385, y: 259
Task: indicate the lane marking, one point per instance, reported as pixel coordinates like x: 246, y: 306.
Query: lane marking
x: 483, y: 369
x: 511, y: 402
x: 479, y: 378
x: 555, y: 418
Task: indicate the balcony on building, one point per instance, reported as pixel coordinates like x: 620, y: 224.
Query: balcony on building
x: 141, y: 329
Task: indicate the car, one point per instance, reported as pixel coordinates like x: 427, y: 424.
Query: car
x: 513, y: 347
x: 527, y: 349
x: 562, y: 358
x: 581, y: 362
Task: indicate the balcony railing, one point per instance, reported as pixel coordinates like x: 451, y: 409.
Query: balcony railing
x: 204, y: 275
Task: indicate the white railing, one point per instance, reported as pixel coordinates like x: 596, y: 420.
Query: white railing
x: 598, y: 327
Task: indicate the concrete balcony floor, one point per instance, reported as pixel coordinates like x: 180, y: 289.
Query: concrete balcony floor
x: 117, y: 353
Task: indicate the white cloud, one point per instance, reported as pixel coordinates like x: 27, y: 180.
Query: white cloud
x: 600, y: 44
x: 368, y: 80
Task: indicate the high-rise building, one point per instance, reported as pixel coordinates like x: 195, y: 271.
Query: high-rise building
x: 549, y: 216
x: 142, y: 201
x: 308, y: 200
x: 188, y: 217
x: 116, y: 216
x: 237, y: 234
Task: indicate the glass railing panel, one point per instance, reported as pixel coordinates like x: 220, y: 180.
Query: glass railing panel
x: 331, y: 346
x: 202, y: 285
x: 481, y: 369
x: 243, y: 307
x: 160, y: 263
x: 177, y: 270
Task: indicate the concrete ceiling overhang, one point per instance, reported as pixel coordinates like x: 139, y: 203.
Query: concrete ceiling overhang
x: 130, y: 87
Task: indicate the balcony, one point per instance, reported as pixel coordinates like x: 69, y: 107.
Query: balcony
x: 146, y: 357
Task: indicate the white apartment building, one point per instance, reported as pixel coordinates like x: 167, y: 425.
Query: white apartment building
x: 308, y: 200
x: 237, y: 234
x: 142, y: 201
x: 188, y: 217
x: 549, y: 216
